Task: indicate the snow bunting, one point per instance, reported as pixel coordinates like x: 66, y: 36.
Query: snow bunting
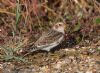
x: 49, y: 39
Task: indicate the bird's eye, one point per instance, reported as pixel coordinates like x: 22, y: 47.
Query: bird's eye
x: 60, y: 25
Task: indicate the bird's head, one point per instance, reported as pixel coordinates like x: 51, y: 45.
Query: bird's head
x: 60, y: 27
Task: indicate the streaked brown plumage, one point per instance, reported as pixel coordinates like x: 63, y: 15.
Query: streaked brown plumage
x: 49, y: 39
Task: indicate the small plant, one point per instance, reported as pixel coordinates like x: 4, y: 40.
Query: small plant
x: 97, y: 20
x: 77, y: 27
x: 9, y: 54
x: 9, y: 51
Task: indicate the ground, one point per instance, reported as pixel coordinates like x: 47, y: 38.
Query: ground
x: 78, y: 59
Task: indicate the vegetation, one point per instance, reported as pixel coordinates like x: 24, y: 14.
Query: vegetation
x: 29, y: 18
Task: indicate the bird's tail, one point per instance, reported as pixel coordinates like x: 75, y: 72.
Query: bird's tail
x: 27, y: 50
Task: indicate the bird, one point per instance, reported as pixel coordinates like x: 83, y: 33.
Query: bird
x: 49, y: 39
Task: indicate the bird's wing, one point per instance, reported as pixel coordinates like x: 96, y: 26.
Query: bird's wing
x: 48, y: 38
